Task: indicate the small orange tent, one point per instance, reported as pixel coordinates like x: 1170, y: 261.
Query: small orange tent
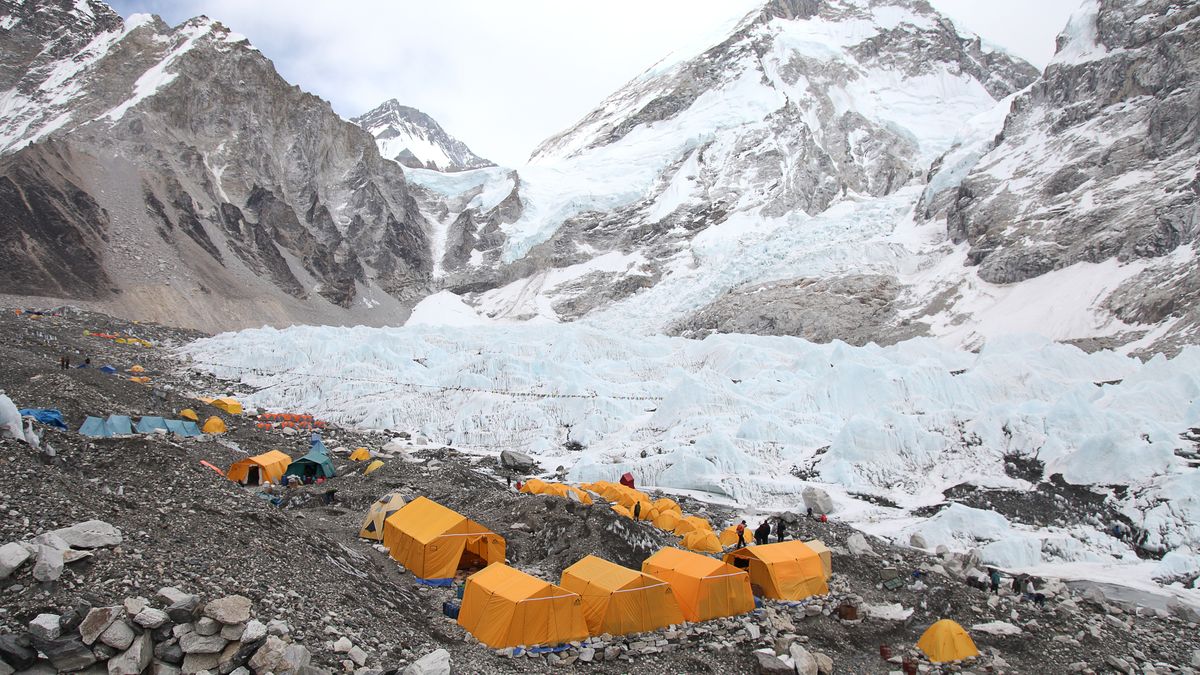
x: 265, y: 468
x: 703, y: 541
x: 947, y: 641
x: 691, y: 524
x: 665, y: 504
x: 788, y: 570
x: 666, y: 521
x: 618, y: 600
x: 504, y: 607
x: 705, y: 587
x: 434, y: 542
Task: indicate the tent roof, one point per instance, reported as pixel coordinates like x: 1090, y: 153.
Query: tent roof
x: 270, y: 457
x: 425, y: 520
x: 608, y: 575
x: 512, y: 584
x: 775, y: 553
x: 688, y: 563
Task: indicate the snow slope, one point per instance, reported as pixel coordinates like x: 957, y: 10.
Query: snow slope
x: 756, y: 419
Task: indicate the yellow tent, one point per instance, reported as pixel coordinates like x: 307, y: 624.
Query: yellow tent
x: 608, y: 490
x: 665, y: 504
x: 666, y: 520
x: 140, y: 380
x: 618, y: 600
x: 137, y: 369
x: 822, y: 551
x: 373, y: 467
x: 705, y: 587
x: 503, y: 607
x: 213, y: 425
x: 691, y: 524
x: 189, y: 414
x: 729, y: 536
x: 538, y: 487
x: 360, y: 455
x: 264, y: 468
x: 434, y: 542
x: 621, y: 511
x: 788, y: 570
x: 946, y: 641
x: 703, y: 541
x: 372, y: 527
x: 225, y: 402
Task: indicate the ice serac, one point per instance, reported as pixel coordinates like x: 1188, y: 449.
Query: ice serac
x: 1099, y: 161
x: 416, y: 140
x: 171, y: 174
x: 783, y: 152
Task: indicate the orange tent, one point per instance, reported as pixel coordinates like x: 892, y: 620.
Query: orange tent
x: 666, y: 521
x: 788, y: 570
x: 504, y: 607
x: 618, y: 600
x: 434, y: 542
x: 703, y: 541
x: 691, y: 524
x: 265, y: 468
x: 705, y: 587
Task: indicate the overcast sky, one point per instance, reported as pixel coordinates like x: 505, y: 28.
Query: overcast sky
x: 502, y: 76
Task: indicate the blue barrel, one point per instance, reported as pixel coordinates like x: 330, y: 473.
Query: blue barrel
x: 450, y: 609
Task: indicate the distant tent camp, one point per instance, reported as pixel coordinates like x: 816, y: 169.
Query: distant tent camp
x: 189, y: 414
x: 313, y: 465
x: 618, y: 600
x: 214, y: 425
x: 539, y: 487
x: 947, y: 641
x: 434, y: 542
x: 115, y: 425
x: 265, y: 468
x: 360, y: 455
x: 788, y: 570
x: 504, y: 607
x: 372, y: 527
x: 148, y: 424
x: 702, y: 541
x: 182, y: 428
x: 705, y: 587
x: 229, y: 405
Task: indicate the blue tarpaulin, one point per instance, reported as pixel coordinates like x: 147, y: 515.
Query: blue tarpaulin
x: 95, y: 427
x: 48, y: 416
x: 108, y: 369
x: 149, y: 423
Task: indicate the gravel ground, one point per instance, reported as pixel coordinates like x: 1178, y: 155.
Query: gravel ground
x: 187, y: 527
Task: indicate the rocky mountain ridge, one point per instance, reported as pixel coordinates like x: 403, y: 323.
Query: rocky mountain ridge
x: 416, y: 140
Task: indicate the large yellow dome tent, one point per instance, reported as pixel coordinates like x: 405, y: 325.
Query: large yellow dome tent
x: 665, y: 504
x: 214, y: 425
x: 702, y: 541
x: 729, y: 536
x: 947, y: 641
x: 705, y: 587
x: 372, y: 527
x: 691, y: 524
x: 666, y: 521
x: 788, y: 570
x: 618, y: 600
x: 265, y: 468
x: 504, y: 607
x: 434, y: 542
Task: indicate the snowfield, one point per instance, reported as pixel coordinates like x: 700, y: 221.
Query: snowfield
x: 757, y: 419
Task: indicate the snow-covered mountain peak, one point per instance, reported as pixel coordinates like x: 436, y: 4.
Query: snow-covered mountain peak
x: 416, y: 140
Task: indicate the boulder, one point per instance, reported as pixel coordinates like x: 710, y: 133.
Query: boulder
x: 207, y: 626
x: 151, y: 618
x: 294, y: 658
x: 67, y: 653
x: 134, y: 606
x: 358, y: 656
x: 917, y: 540
x: 12, y: 556
x: 183, y: 610
x: 17, y: 651
x: 90, y: 534
x: 195, y: 643
x: 49, y: 565
x: 769, y: 664
x: 233, y: 631
x: 268, y: 655
x: 824, y: 664
x: 818, y: 500
x: 169, y: 651
x: 97, y: 621
x: 255, y: 630
x: 52, y: 540
x: 171, y: 595
x: 160, y: 668
x: 231, y: 657
x: 229, y: 610
x: 805, y: 663
x: 46, y: 626
x: 343, y: 645
x: 278, y: 628
x: 858, y: 545
x: 517, y: 461
x: 436, y: 662
x: 133, y: 660
x: 119, y: 635
x: 195, y: 663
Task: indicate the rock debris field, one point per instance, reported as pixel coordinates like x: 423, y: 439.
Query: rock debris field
x: 127, y: 555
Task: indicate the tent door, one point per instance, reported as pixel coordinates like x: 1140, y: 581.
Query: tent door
x: 253, y: 477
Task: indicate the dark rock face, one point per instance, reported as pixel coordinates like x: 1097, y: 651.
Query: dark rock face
x: 209, y: 164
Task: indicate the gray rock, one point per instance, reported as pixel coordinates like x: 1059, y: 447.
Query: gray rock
x: 917, y: 540
x: 818, y: 500
x: 6, y: 669
x: 171, y: 595
x: 233, y: 631
x: 229, y: 610
x: 118, y: 635
x: 184, y: 610
x: 195, y: 663
x: 294, y: 657
x: 278, y: 628
x: 195, y: 643
x: 824, y: 664
x: 358, y: 656
x: 207, y: 626
x: 267, y: 658
x: 587, y: 654
x: 151, y: 618
x: 52, y: 540
x: 46, y: 626
x: 161, y: 668
x: 12, y: 556
x: 517, y: 461
x: 805, y: 663
x: 769, y: 664
x: 134, y: 659
x: 231, y: 657
x: 753, y: 631
x: 90, y: 534
x: 67, y: 653
x: 858, y: 545
x: 135, y: 606
x: 49, y: 565
x: 97, y: 621
x: 255, y: 630
x: 342, y: 645
x: 169, y: 652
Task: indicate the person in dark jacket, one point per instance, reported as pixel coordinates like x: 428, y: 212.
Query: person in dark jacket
x: 994, y: 578
x: 637, y: 511
x: 779, y: 529
x: 762, y: 532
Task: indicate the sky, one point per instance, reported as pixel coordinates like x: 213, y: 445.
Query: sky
x: 503, y: 76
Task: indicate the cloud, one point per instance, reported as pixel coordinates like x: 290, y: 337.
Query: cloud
x: 501, y: 76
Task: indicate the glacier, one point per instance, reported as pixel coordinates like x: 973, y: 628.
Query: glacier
x: 754, y: 420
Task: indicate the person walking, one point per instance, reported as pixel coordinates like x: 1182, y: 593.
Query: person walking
x: 637, y: 511
x: 741, y: 533
x: 994, y: 578
x: 779, y: 529
x: 763, y: 531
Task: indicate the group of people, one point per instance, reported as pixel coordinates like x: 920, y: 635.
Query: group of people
x: 762, y: 534
x: 1022, y: 585
x: 64, y: 362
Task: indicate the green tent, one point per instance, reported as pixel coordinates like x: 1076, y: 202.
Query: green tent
x: 313, y: 465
